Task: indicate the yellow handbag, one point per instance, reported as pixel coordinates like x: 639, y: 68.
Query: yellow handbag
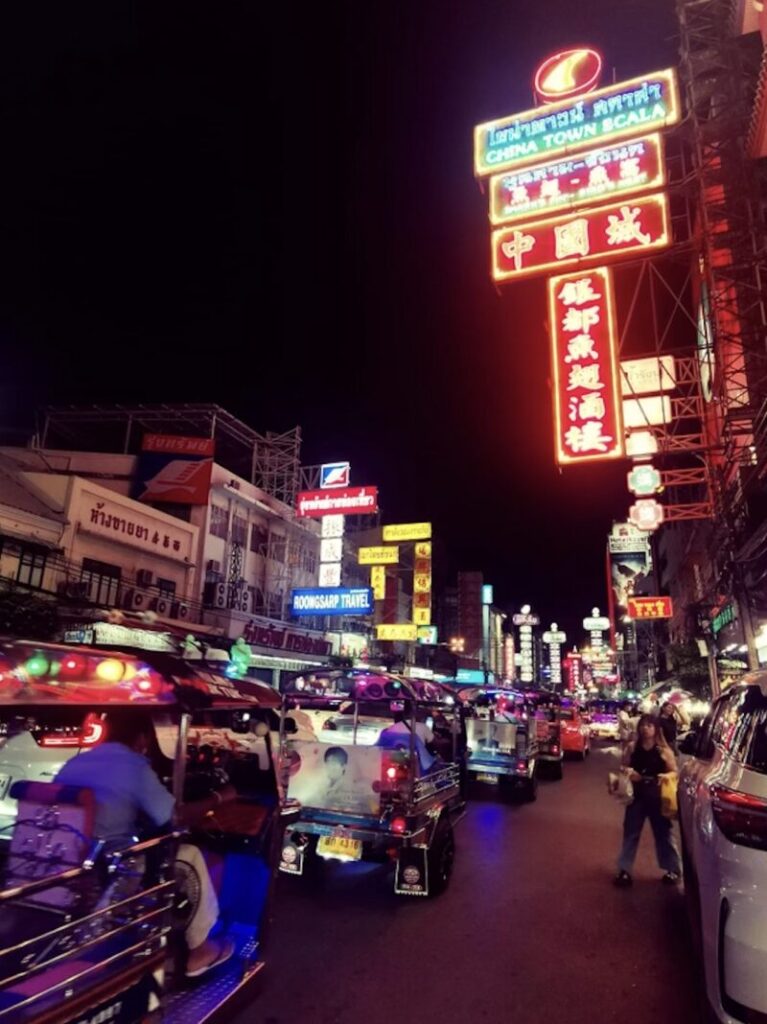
x: 668, y: 802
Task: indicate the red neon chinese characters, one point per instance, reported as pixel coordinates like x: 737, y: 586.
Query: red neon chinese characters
x: 587, y: 410
x: 610, y: 232
x: 577, y: 180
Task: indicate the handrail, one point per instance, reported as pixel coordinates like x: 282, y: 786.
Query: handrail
x: 49, y: 881
x: 139, y: 947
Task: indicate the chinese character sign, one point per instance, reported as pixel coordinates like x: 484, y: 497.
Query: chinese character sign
x: 573, y: 181
x: 587, y: 412
x: 615, y: 112
x: 650, y: 607
x: 610, y: 232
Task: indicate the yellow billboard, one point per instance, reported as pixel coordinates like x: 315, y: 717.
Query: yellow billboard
x: 407, y: 531
x: 423, y: 550
x: 397, y: 631
x: 422, y: 616
x: 378, y: 556
x: 422, y: 583
x: 378, y: 582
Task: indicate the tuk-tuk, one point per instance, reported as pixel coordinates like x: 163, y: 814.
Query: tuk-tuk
x: 604, y: 718
x: 93, y: 934
x: 548, y: 726
x: 502, y: 741
x: 372, y: 770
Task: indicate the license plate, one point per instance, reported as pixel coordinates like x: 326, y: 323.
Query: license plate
x: 5, y: 781
x: 339, y: 846
x: 487, y: 777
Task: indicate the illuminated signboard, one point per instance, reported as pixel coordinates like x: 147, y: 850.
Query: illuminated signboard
x: 646, y: 411
x: 423, y: 550
x: 617, y: 111
x: 587, y: 413
x: 378, y: 556
x: 609, y: 232
x: 378, y: 582
x: 650, y: 607
x: 570, y: 182
x: 407, y: 531
x: 648, y: 376
x: 331, y: 601
x: 347, y: 501
x: 427, y: 634
x: 397, y: 631
x: 567, y: 74
x: 422, y: 616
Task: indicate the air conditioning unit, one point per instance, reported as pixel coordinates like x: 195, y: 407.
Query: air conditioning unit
x: 221, y: 595
x: 245, y: 603
x: 145, y: 577
x: 213, y: 565
x: 180, y: 610
x: 136, y: 600
x: 162, y: 605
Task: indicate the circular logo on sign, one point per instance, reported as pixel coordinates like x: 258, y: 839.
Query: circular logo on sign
x: 411, y: 875
x: 566, y: 74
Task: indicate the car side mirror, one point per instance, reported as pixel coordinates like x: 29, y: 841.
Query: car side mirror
x: 689, y: 744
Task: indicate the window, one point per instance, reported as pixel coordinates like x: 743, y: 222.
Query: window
x: 278, y: 545
x: 239, y: 530
x: 219, y: 521
x: 259, y: 539
x: 31, y: 566
x: 102, y: 580
x: 167, y: 588
x: 259, y: 601
x: 310, y: 560
x: 274, y: 610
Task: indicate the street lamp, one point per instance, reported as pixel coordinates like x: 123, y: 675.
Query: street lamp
x: 457, y: 646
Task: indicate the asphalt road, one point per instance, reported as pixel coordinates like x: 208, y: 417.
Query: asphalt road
x: 530, y: 930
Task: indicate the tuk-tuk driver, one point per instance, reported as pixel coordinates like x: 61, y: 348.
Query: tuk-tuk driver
x: 128, y: 793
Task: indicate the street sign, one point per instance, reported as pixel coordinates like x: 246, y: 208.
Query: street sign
x: 644, y: 480
x: 650, y: 607
x: 646, y: 513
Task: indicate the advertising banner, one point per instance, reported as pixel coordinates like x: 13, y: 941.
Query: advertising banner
x: 407, y: 531
x: 378, y: 555
x: 331, y: 601
x: 629, y: 572
x: 347, y: 501
x: 174, y: 469
x: 604, y: 234
x: 397, y: 631
x: 587, y: 413
x: 335, y: 777
x: 378, y: 582
x: 571, y: 182
x: 617, y: 111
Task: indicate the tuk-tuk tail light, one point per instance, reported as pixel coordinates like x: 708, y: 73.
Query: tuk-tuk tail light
x: 398, y: 825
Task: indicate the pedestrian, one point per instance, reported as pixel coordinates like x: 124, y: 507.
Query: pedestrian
x: 647, y: 759
x: 669, y: 723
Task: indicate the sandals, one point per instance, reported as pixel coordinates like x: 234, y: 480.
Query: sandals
x: 225, y: 952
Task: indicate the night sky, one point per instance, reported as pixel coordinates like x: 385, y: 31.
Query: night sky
x: 273, y: 209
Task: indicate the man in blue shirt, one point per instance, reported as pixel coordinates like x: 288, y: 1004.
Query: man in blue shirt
x: 129, y: 794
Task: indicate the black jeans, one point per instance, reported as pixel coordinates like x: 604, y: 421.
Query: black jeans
x: 648, y: 806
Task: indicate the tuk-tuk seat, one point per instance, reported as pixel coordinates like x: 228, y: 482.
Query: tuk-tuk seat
x: 53, y: 831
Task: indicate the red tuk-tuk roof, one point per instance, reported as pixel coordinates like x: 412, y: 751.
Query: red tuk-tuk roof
x: 45, y: 673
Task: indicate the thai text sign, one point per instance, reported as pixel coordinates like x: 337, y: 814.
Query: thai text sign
x: 407, y: 531
x: 615, y: 112
x: 610, y: 232
x: 650, y: 607
x: 378, y: 556
x: 125, y: 522
x: 587, y: 414
x: 407, y: 631
x: 331, y: 601
x: 570, y: 182
x: 347, y: 501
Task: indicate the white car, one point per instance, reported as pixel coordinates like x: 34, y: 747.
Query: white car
x: 35, y: 747
x: 723, y: 820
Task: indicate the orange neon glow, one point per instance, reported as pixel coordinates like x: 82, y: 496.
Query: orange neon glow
x: 602, y: 234
x: 568, y: 73
x: 575, y: 434
x: 587, y: 178
x: 569, y: 125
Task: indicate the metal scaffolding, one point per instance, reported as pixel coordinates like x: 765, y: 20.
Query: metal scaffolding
x: 270, y: 461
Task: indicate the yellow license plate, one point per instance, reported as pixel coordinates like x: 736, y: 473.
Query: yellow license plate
x: 487, y: 777
x: 339, y: 846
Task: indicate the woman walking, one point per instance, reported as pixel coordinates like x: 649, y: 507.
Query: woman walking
x: 647, y: 759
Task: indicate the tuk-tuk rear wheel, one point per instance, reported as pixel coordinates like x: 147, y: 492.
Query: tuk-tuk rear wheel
x: 440, y: 858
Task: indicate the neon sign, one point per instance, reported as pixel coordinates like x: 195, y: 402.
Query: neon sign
x: 570, y: 182
x: 628, y: 228
x: 567, y: 74
x: 587, y: 413
x: 615, y: 112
